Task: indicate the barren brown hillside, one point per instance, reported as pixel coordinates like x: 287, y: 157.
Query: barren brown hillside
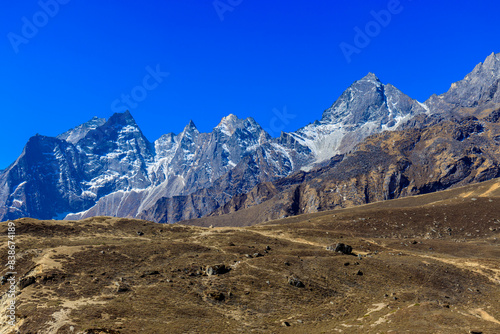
x: 425, y: 264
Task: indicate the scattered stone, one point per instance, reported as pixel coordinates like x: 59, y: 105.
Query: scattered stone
x: 285, y: 324
x: 139, y: 233
x: 346, y: 264
x: 258, y: 255
x: 286, y: 264
x: 295, y: 281
x: 217, y: 269
x: 4, y: 279
x: 268, y: 248
x: 150, y: 273
x: 249, y: 256
x: 26, y: 281
x: 475, y: 332
x: 121, y: 288
x: 215, y: 295
x: 359, y: 273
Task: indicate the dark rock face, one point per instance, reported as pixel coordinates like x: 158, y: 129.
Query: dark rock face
x: 45, y: 179
x: 493, y: 117
x: 54, y: 176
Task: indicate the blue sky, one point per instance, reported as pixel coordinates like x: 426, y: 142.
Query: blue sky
x: 65, y: 62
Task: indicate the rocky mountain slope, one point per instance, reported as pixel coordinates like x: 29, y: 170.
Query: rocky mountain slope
x: 385, y: 166
x: 424, y: 264
x: 110, y: 168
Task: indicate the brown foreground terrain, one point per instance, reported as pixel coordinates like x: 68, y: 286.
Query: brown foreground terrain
x: 425, y: 264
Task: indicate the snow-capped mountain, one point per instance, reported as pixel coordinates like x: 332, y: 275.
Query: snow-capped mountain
x: 191, y: 160
x: 56, y: 176
x: 110, y: 168
x: 365, y: 108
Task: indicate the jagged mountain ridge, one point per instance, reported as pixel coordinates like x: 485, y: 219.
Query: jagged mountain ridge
x: 378, y: 111
x: 116, y: 164
x: 385, y: 166
x: 192, y: 161
x: 285, y: 203
x: 111, y: 169
x: 479, y: 89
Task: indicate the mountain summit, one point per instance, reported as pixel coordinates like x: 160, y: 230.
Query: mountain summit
x: 365, y: 108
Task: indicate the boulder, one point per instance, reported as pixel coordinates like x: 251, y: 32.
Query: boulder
x: 295, y: 281
x: 340, y: 248
x: 217, y: 269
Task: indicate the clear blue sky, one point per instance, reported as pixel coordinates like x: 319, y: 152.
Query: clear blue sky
x: 263, y: 55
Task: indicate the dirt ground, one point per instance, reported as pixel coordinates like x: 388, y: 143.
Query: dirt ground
x: 419, y: 266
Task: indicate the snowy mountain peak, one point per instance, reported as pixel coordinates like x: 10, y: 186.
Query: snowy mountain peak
x: 190, y: 128
x: 365, y: 108
x: 229, y: 124
x: 77, y: 133
x: 122, y: 120
x: 371, y: 77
